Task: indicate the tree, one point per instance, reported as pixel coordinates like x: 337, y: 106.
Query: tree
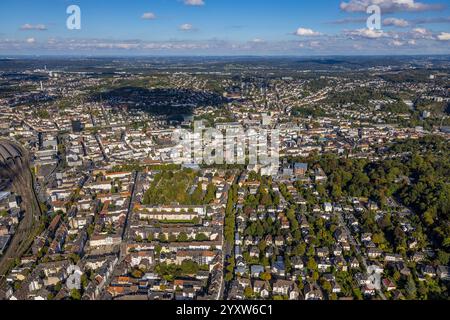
x: 75, y: 294
x: 378, y: 238
x: 210, y: 194
x: 265, y: 276
x: 262, y: 246
x: 300, y: 284
x: 230, y: 216
x: 386, y: 221
x: 336, y: 192
x: 357, y: 293
x: 321, y: 190
x: 411, y: 289
x: 315, y: 276
x: 189, y: 267
x: 84, y: 280
x: 137, y: 274
x: 162, y: 237
x: 58, y: 287
x: 311, y: 252
x: 397, y: 276
x: 43, y: 114
x: 182, y: 237
x: 422, y: 290
x: 196, y: 197
x: 266, y: 199
x: 443, y: 257
x: 311, y: 265
x: 248, y: 293
x: 326, y: 285
x: 201, y: 237
x: 74, y: 258
x: 228, y: 276
x: 429, y: 216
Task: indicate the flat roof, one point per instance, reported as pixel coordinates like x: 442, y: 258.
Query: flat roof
x: 4, y: 195
x: 301, y: 165
x: 4, y: 240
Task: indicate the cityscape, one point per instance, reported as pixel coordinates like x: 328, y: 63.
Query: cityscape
x: 251, y: 176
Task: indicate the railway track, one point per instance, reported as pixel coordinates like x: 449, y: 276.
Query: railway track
x: 22, y: 184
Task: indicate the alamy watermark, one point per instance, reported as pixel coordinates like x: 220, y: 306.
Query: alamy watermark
x: 374, y: 20
x: 374, y: 278
x: 73, y: 22
x: 227, y: 144
x: 74, y: 279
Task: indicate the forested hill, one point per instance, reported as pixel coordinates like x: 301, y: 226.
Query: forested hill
x: 419, y: 180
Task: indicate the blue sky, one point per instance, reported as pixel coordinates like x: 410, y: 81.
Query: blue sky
x: 228, y: 27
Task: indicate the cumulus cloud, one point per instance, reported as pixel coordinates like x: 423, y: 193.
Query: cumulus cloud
x: 365, y: 33
x: 394, y: 21
x: 444, y: 36
x: 194, y: 2
x: 186, y: 27
x: 421, y: 31
x: 310, y: 45
x: 305, y: 32
x: 38, y: 27
x: 315, y: 44
x: 345, y: 43
x: 401, y: 23
x: 149, y: 16
x: 396, y: 43
x: 389, y: 5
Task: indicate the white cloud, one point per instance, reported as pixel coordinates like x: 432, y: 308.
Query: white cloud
x: 310, y: 45
x: 396, y: 43
x: 315, y: 44
x: 342, y: 44
x: 421, y: 31
x: 304, y: 32
x: 395, y: 22
x: 389, y: 5
x: 366, y: 33
x: 186, y: 27
x: 149, y: 16
x: 444, y: 36
x: 39, y: 27
x: 194, y: 2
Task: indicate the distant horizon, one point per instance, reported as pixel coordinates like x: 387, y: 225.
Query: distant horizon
x: 3, y: 56
x: 225, y: 27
